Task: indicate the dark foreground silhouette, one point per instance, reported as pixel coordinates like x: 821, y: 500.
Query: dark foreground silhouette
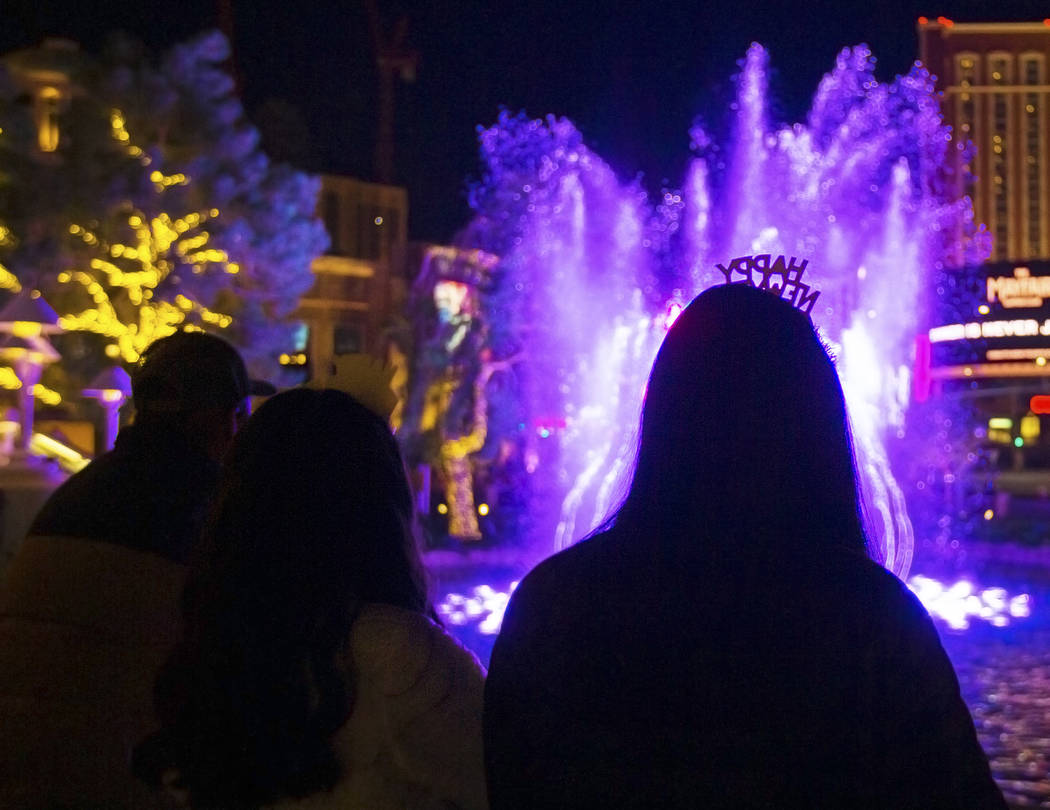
x: 310, y: 669
x: 726, y: 641
x: 89, y: 605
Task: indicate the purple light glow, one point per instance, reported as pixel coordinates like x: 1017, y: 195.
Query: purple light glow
x: 857, y: 189
x: 959, y: 603
x: 674, y: 309
x: 484, y: 608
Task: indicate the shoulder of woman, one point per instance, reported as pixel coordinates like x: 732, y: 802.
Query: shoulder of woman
x: 397, y: 648
x: 894, y: 623
x: 893, y: 592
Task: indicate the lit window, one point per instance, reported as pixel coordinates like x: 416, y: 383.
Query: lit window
x: 47, y: 104
x: 1034, y: 162
x: 999, y: 68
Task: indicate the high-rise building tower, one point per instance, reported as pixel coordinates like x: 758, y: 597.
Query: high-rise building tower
x: 995, y: 78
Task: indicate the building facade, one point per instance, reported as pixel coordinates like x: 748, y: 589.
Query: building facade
x: 988, y: 344
x: 995, y: 80
x: 360, y: 281
x: 46, y: 78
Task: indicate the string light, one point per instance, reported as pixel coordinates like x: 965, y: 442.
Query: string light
x: 9, y: 381
x: 132, y: 270
x: 8, y: 281
x: 47, y: 396
x: 119, y: 130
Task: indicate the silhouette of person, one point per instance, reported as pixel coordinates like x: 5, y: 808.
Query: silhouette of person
x: 89, y: 604
x: 726, y: 640
x: 311, y: 672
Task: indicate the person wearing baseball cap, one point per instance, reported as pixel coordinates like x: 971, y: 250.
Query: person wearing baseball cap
x: 190, y: 378
x: 89, y: 604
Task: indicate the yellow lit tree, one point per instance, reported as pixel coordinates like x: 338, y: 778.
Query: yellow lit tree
x: 157, y: 210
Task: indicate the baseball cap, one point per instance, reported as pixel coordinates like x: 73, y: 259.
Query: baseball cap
x: 189, y: 370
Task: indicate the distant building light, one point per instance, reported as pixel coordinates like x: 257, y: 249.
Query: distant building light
x: 1040, y: 403
x: 1019, y: 327
x: 1030, y: 428
x: 1001, y: 422
x: 47, y: 103
x: 298, y: 359
x: 378, y: 220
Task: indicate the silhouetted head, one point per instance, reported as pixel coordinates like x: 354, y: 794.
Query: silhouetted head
x: 313, y: 519
x: 197, y: 384
x: 744, y: 429
x: 314, y: 483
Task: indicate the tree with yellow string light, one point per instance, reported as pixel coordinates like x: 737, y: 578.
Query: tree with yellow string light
x: 139, y: 202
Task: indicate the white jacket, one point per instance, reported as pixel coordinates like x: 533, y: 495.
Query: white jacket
x: 413, y: 740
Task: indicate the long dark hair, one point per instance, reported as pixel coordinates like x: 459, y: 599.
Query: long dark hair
x: 313, y: 519
x: 744, y: 435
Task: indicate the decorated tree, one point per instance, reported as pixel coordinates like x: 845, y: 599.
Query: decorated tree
x: 155, y: 209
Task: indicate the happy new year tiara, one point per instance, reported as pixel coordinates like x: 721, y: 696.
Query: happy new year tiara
x: 762, y: 270
x: 364, y: 378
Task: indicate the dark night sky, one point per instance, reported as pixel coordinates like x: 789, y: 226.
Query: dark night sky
x: 631, y: 75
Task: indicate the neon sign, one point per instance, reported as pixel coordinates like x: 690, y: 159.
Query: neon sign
x: 1022, y: 327
x: 1021, y: 290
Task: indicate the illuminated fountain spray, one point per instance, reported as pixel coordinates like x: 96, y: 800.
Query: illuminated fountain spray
x: 860, y: 190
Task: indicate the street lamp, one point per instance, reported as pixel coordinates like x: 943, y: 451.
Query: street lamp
x: 28, y: 314
x: 27, y: 356
x: 26, y: 320
x: 111, y: 388
x: 25, y: 482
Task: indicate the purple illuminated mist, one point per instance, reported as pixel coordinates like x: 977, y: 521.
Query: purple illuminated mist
x: 861, y: 189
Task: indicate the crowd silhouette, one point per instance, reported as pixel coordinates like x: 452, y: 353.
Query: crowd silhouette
x: 725, y: 640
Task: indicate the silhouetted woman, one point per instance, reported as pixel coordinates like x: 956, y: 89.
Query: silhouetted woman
x: 311, y: 673
x: 726, y: 641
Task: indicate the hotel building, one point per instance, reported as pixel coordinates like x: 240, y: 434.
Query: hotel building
x: 996, y: 93
x: 989, y: 340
